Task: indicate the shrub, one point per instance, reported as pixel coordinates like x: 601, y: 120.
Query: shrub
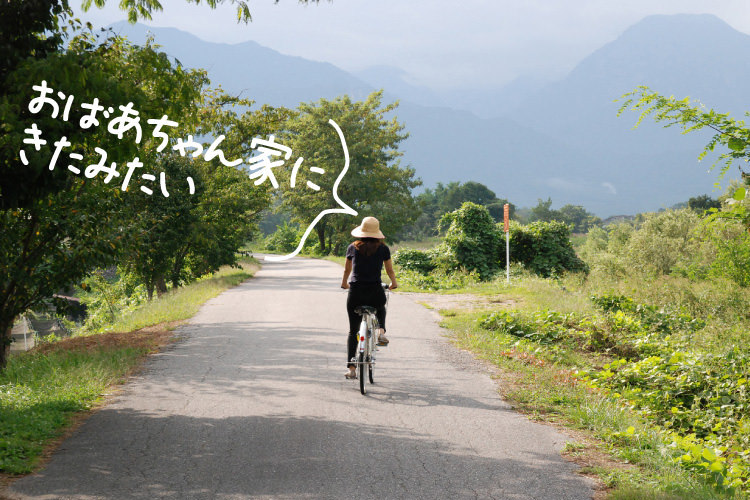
x: 731, y: 242
x: 473, y: 239
x: 544, y: 248
x: 437, y: 280
x: 414, y: 260
x: 285, y: 239
x: 664, y: 240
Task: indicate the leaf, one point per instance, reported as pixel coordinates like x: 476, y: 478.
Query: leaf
x: 736, y: 144
x: 739, y: 195
x: 709, y: 455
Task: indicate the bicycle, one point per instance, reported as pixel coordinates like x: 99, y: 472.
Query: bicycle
x: 367, y: 347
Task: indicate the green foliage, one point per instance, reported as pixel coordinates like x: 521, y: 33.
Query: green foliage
x: 39, y: 393
x: 285, y: 239
x: 544, y: 248
x: 436, y: 280
x: 107, y: 299
x: 142, y: 9
x: 728, y: 132
x: 731, y: 244
x: 651, y: 317
x: 449, y: 197
x: 702, y: 204
x: 414, y: 260
x: 471, y: 235
x: 544, y: 327
x: 55, y: 226
x: 663, y: 240
x: 733, y: 135
x: 578, y: 218
x: 696, y: 402
x: 699, y: 400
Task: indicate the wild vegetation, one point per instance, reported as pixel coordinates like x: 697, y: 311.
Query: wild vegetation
x: 641, y: 338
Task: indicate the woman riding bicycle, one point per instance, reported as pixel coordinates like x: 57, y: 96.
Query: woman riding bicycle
x: 364, y: 261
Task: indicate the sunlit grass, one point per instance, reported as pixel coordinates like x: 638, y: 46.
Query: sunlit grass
x: 543, y: 386
x: 40, y: 393
x: 184, y: 302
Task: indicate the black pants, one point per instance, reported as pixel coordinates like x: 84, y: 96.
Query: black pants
x: 363, y: 295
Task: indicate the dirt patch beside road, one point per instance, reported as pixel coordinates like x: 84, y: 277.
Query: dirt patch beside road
x: 460, y: 301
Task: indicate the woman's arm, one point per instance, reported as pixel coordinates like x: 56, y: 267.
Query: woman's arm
x: 347, y: 272
x: 390, y: 273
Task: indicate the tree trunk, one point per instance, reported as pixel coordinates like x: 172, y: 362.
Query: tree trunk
x: 177, y: 268
x: 5, y: 344
x: 150, y: 291
x: 161, y: 286
x: 321, y: 237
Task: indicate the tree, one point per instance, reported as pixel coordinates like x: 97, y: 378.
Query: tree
x: 142, y: 9
x: 375, y: 184
x: 543, y: 211
x: 703, y: 203
x: 450, y: 197
x: 580, y: 219
x: 161, y: 229
x: 57, y: 226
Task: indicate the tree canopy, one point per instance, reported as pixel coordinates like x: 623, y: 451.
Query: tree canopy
x: 142, y: 9
x: 375, y: 184
x: 446, y: 198
x: 62, y: 91
x: 578, y: 218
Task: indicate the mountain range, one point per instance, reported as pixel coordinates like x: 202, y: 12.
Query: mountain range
x: 531, y: 139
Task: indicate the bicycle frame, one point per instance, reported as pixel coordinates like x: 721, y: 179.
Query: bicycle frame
x: 367, y: 342
x: 367, y: 333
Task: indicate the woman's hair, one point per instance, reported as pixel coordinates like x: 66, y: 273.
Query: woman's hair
x: 367, y: 246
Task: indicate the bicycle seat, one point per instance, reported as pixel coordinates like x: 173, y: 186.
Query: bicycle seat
x: 365, y: 310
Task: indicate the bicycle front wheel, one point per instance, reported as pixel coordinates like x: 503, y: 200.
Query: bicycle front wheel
x: 363, y: 368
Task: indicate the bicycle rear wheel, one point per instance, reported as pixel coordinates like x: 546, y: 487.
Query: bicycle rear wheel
x: 362, y: 368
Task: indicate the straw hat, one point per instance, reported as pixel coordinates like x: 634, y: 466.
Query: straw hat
x: 370, y: 228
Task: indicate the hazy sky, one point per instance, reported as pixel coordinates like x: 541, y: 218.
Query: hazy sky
x: 440, y: 44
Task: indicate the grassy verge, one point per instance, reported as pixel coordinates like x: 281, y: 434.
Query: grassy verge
x: 652, y: 389
x: 184, y: 302
x: 46, y: 390
x: 543, y: 388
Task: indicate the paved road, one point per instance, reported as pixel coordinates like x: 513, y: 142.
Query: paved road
x: 253, y: 404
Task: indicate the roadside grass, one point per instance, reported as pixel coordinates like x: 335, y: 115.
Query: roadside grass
x: 546, y: 369
x: 424, y: 244
x: 542, y: 385
x: 43, y: 392
x: 184, y: 302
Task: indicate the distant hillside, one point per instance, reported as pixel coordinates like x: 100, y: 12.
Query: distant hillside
x: 682, y: 55
x: 564, y: 141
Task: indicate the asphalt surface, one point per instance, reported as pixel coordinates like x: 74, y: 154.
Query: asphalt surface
x: 253, y: 403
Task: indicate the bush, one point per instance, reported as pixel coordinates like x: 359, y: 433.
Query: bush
x: 473, y: 239
x: 731, y: 242
x: 544, y: 248
x: 414, y: 260
x: 437, y: 280
x: 664, y: 240
x: 285, y: 239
